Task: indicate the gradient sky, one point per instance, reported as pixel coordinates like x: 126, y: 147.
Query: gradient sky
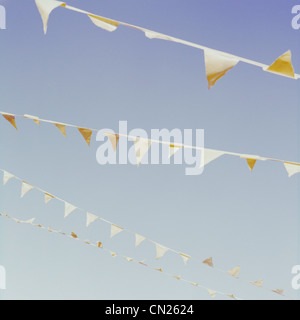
x: 81, y: 74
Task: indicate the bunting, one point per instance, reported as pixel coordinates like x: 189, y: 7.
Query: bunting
x: 115, y: 230
x: 69, y: 208
x: 11, y: 119
x: 283, y: 65
x: 114, y: 139
x: 26, y: 187
x: 86, y: 133
x: 160, y: 251
x: 6, y: 177
x: 139, y: 239
x: 234, y: 272
x: 141, y: 148
x: 90, y: 218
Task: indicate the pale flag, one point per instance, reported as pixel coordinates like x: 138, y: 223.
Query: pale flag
x: 115, y: 230
x: 185, y: 257
x: 217, y: 64
x: 114, y: 139
x: 173, y: 149
x: 139, y: 239
x: 48, y: 197
x: 257, y: 283
x: 234, y: 272
x: 210, y: 155
x: 6, y: 177
x: 141, y: 148
x: 34, y: 118
x: 69, y: 208
x: 90, y: 218
x: 212, y: 293
x: 160, y: 251
x: 45, y: 7
x: 292, y: 169
x: 25, y: 188
x: 209, y: 262
x: 104, y: 23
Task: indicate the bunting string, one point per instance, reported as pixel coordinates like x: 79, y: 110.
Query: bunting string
x: 161, y: 250
x: 142, y: 145
x: 217, y: 63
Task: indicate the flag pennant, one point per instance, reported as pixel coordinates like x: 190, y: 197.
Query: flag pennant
x: 86, y: 133
x: 69, y: 208
x: 258, y: 283
x: 212, y: 293
x: 106, y: 24
x: 158, y: 269
x: 48, y: 197
x: 185, y: 257
x: 128, y: 259
x: 139, y: 239
x: 211, y: 155
x: 35, y: 119
x: 115, y: 230
x: 11, y: 119
x: 99, y: 244
x: 234, y: 272
x: 25, y: 188
x: 251, y: 163
x: 279, y: 291
x: 177, y: 277
x: 283, y: 65
x: 232, y: 296
x: 217, y: 65
x: 173, y: 149
x: 141, y: 148
x: 113, y: 254
x: 114, y: 139
x: 74, y: 235
x: 90, y: 218
x: 6, y: 177
x: 160, y: 251
x: 61, y: 127
x: 291, y: 168
x: 209, y: 262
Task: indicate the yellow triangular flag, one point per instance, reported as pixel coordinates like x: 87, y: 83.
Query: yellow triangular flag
x: 48, y: 197
x: 115, y: 230
x: 257, y: 283
x: 212, y: 293
x: 99, y: 244
x: 74, y: 235
x: 86, y: 133
x: 25, y: 188
x: 251, y: 163
x: 234, y: 272
x: 69, y: 208
x: 113, y: 254
x: 292, y: 168
x: 61, y: 127
x: 217, y: 65
x: 11, y: 119
x: 34, y: 118
x: 90, y: 218
x: 45, y: 7
x: 114, y: 139
x: 160, y: 251
x: 283, y: 65
x: 185, y: 257
x: 6, y: 177
x: 139, y: 239
x: 104, y: 23
x: 141, y: 148
x: 209, y: 262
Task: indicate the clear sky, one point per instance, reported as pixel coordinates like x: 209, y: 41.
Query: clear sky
x: 81, y: 74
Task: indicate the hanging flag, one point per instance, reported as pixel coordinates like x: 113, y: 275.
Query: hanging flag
x: 114, y: 139
x: 6, y: 177
x: 217, y: 64
x: 279, y: 291
x: 104, y: 23
x: 232, y: 296
x: 90, y: 218
x: 74, y: 235
x: 158, y: 269
x: 48, y: 197
x: 11, y: 119
x: 283, y: 65
x: 86, y: 133
x: 160, y: 251
x: 251, y: 163
x: 26, y: 187
x: 173, y: 149
x: 177, y: 277
x: 185, y: 257
x: 113, y: 254
x: 194, y: 284
x: 128, y: 259
x: 209, y: 262
x: 115, y: 230
x: 234, y: 272
x: 155, y: 35
x: 212, y: 293
x: 61, y: 127
x: 211, y: 155
x: 258, y: 283
x: 45, y: 7
x: 99, y: 244
x: 139, y: 239
x: 69, y: 208
x: 35, y: 119
x: 141, y: 148
x: 291, y: 168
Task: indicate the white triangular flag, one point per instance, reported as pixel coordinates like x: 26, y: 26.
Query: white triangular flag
x: 6, y: 177
x: 234, y: 272
x: 217, y: 64
x: 139, y: 239
x: 90, y: 218
x: 48, y: 197
x: 257, y: 283
x: 30, y: 221
x: 212, y: 293
x: 25, y: 188
x: 106, y: 24
x: 69, y: 208
x: 185, y: 257
x: 210, y: 155
x: 141, y: 148
x: 115, y: 230
x: 45, y: 7
x: 291, y: 169
x: 173, y: 149
x: 160, y: 251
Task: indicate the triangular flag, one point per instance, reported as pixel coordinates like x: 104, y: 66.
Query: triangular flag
x: 74, y: 235
x: 129, y: 259
x: 177, y: 277
x: 278, y: 291
x: 141, y: 148
x: 99, y: 244
x: 185, y: 257
x: 30, y: 221
x: 158, y: 269
x: 25, y: 188
x: 106, y: 24
x: 258, y: 283
x: 291, y: 168
x: 11, y: 119
x: 283, y: 65
x: 160, y: 251
x: 114, y: 139
x: 212, y: 293
x: 211, y: 155
x: 6, y: 177
x: 69, y: 208
x: 139, y: 239
x: 61, y: 127
x: 90, y: 218
x: 232, y: 296
x: 234, y: 272
x: 209, y: 262
x: 217, y: 64
x: 86, y: 133
x: 115, y: 230
x: 194, y: 284
x: 48, y: 197
x: 251, y: 163
x: 45, y: 7
x: 113, y: 254
x: 35, y: 119
x: 173, y: 149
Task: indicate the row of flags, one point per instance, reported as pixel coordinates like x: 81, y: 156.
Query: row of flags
x: 115, y: 229
x: 142, y: 145
x: 217, y: 63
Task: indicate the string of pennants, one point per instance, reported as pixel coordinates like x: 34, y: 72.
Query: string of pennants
x: 217, y: 63
x: 142, y: 145
x: 113, y: 254
x: 161, y: 250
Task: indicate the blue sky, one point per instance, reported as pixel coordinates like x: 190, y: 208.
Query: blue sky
x: 81, y: 74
